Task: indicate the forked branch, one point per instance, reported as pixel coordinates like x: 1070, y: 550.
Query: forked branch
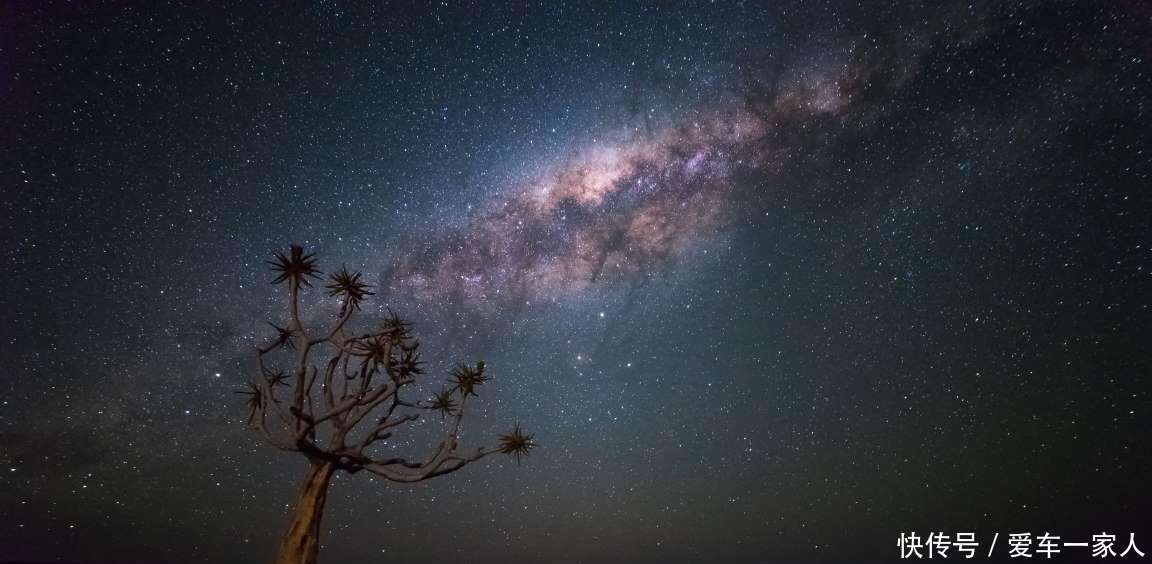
x: 337, y: 381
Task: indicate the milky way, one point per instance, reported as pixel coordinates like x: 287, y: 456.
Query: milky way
x: 615, y: 209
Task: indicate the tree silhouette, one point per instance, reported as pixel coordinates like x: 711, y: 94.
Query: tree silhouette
x: 340, y: 395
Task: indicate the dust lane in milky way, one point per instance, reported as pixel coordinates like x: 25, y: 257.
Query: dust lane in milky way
x: 616, y: 209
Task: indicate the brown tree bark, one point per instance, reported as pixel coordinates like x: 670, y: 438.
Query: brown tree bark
x: 325, y: 400
x: 301, y: 542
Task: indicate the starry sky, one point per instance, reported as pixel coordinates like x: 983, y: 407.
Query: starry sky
x: 767, y: 281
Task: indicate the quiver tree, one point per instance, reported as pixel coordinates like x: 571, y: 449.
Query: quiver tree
x: 335, y: 396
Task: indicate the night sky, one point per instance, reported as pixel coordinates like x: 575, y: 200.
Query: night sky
x: 768, y: 282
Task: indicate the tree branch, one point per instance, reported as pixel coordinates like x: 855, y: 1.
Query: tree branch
x: 371, y: 369
x: 444, y: 462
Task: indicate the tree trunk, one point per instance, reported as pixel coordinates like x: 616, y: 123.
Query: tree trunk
x: 301, y: 542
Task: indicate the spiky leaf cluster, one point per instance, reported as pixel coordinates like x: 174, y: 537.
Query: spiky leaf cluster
x: 255, y: 401
x: 348, y: 284
x: 516, y: 443
x: 283, y: 337
x: 396, y: 330
x: 295, y: 267
x: 277, y: 378
x: 391, y: 350
x: 376, y: 348
x: 443, y: 402
x: 466, y: 378
x: 406, y: 365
